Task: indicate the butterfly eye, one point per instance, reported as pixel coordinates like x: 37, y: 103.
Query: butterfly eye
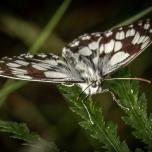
x: 94, y: 84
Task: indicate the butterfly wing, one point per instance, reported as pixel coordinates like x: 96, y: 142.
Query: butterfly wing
x: 83, y: 55
x: 121, y: 45
x: 106, y: 52
x: 41, y: 67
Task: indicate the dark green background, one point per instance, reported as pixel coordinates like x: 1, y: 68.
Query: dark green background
x: 41, y: 105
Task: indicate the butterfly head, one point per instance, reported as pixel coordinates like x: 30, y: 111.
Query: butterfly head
x: 92, y: 87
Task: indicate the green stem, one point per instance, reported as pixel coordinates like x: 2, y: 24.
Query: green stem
x: 135, y: 17
x: 14, y: 85
x: 50, y: 27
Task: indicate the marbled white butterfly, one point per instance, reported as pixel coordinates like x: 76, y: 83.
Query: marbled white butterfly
x: 86, y: 61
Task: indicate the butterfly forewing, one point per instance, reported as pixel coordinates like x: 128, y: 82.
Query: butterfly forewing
x: 121, y: 45
x: 112, y: 49
x: 41, y: 67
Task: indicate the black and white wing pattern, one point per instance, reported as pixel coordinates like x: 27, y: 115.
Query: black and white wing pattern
x: 121, y: 45
x: 108, y: 51
x: 86, y: 60
x: 41, y: 67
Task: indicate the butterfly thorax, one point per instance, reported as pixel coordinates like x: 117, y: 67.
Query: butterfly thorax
x: 91, y: 77
x: 85, y: 70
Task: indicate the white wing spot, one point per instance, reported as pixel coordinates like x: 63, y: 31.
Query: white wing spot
x: 95, y: 60
x: 109, y: 46
x: 64, y: 50
x: 128, y: 33
x: 85, y: 51
x: 101, y: 49
x: 131, y: 25
x: 85, y: 37
x: 118, y: 57
x: 52, y: 62
x: 17, y: 71
x: 1, y: 72
x: 136, y: 38
x: 108, y: 33
x: 132, y: 32
x: 96, y: 34
x: 146, y: 26
x: 118, y: 46
x: 28, y: 55
x: 45, y: 66
x: 24, y: 76
x: 51, y: 74
x: 21, y: 62
x: 146, y: 38
x: 141, y: 39
x: 42, y: 55
x: 144, y: 44
x: 13, y: 65
x: 55, y: 56
x: 36, y: 66
x: 120, y: 35
x: 150, y: 30
x: 93, y: 45
x: 6, y: 58
x: 74, y: 44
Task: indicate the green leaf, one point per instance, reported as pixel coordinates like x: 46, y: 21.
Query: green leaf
x: 20, y: 131
x: 136, y: 117
x: 92, y: 119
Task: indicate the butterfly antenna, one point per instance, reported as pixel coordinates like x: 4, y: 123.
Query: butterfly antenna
x: 115, y: 99
x: 138, y: 79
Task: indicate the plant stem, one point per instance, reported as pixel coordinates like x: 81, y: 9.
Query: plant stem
x: 14, y: 85
x: 135, y: 17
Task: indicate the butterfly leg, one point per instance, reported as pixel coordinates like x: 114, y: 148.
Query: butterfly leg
x: 85, y: 107
x: 115, y: 99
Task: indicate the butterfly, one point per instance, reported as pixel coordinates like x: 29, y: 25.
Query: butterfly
x: 86, y: 61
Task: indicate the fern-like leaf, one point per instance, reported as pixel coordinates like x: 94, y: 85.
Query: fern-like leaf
x: 20, y: 131
x: 136, y: 116
x: 92, y: 120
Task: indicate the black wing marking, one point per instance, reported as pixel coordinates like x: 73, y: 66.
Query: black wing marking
x: 40, y: 67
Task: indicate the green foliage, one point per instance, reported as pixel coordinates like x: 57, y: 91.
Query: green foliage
x: 106, y: 133
x: 92, y: 120
x: 21, y: 131
x: 136, y: 116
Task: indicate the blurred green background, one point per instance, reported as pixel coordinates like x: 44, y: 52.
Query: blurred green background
x: 40, y: 105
